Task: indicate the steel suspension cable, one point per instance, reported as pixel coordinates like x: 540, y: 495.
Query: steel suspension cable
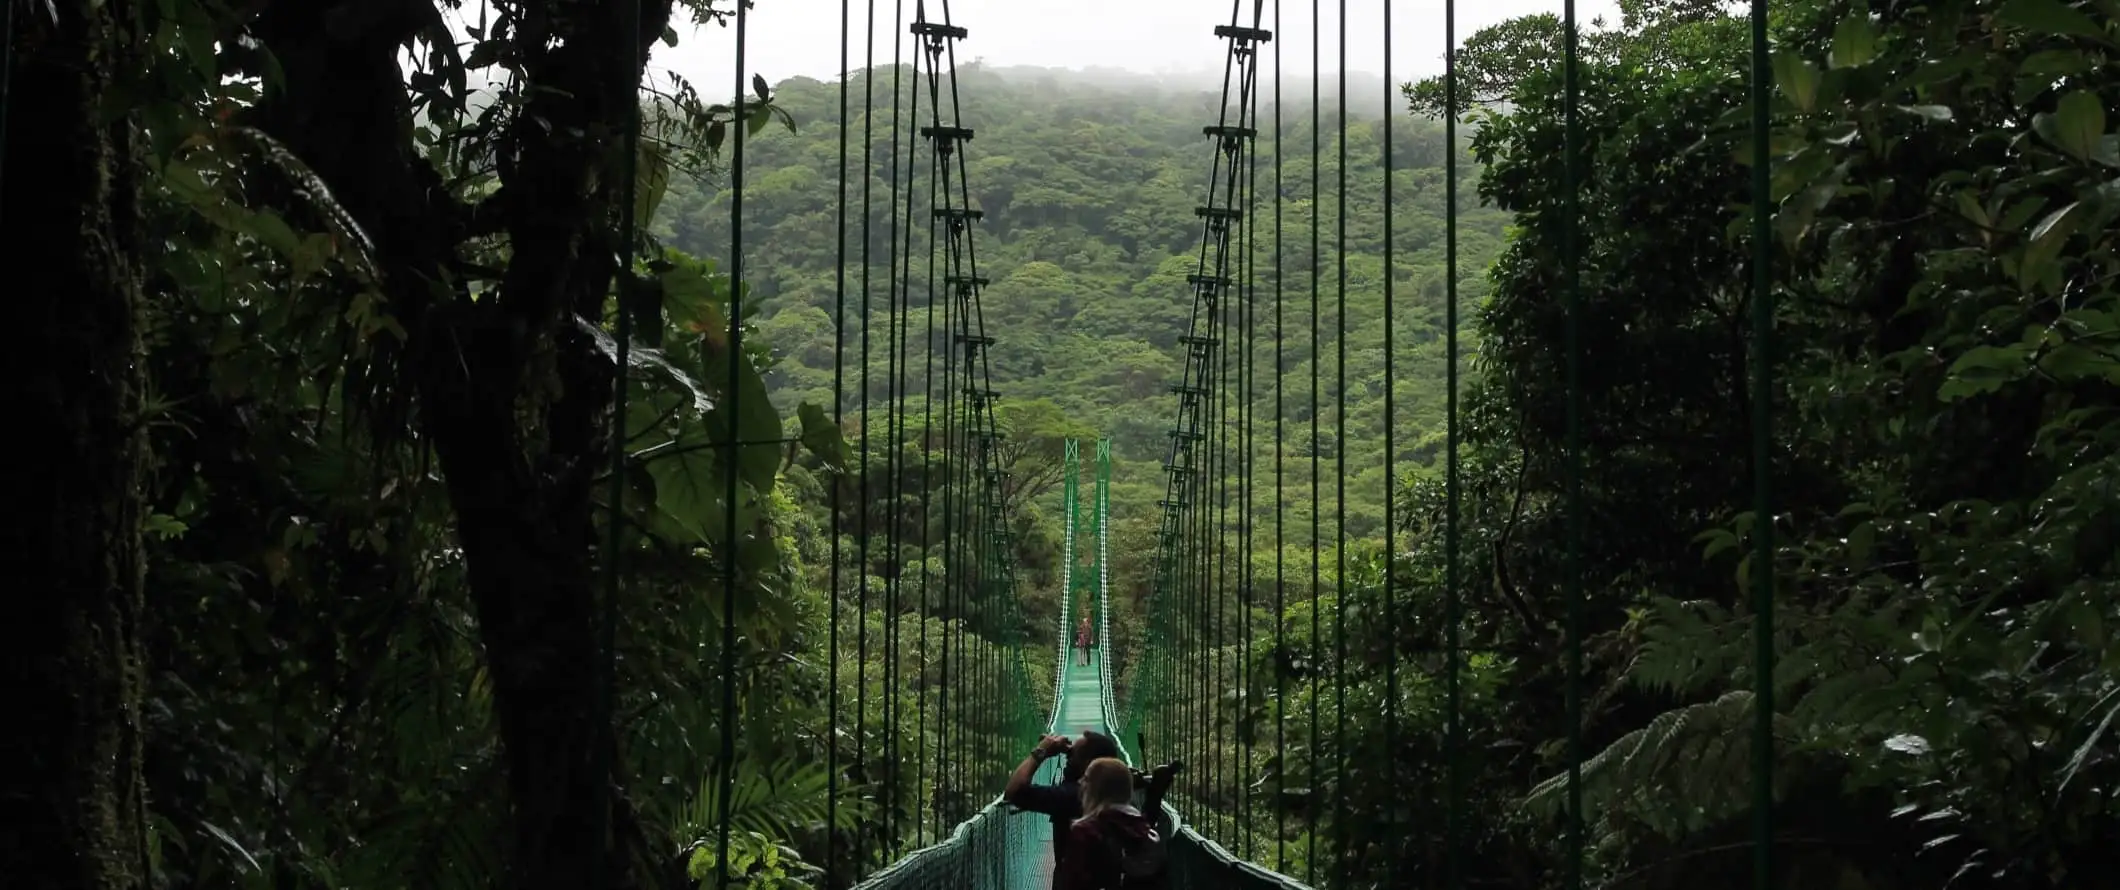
x: 1763, y: 549
x: 7, y: 79
x: 957, y: 728
x: 837, y: 475
x: 894, y: 460
x: 1247, y: 457
x: 1341, y: 825
x: 729, y: 715
x: 1571, y: 277
x: 978, y: 712
x: 1280, y: 501
x: 1453, y: 607
x: 968, y: 286
x: 927, y: 472
x: 1191, y: 585
x: 1391, y: 482
x: 1317, y: 484
x: 604, y: 743
x: 867, y: 488
x: 1220, y: 547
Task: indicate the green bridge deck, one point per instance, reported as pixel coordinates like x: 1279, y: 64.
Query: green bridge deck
x: 1003, y: 849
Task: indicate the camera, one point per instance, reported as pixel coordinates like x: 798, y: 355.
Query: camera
x: 1155, y: 783
x: 1159, y: 777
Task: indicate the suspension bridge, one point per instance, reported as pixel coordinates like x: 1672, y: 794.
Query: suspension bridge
x: 280, y: 668
x: 937, y: 723
x: 985, y: 688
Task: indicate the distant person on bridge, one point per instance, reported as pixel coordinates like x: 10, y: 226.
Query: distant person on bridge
x: 1061, y: 801
x: 1084, y: 640
x: 1113, y: 846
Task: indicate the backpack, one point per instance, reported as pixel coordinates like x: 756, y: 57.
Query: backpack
x: 1141, y: 859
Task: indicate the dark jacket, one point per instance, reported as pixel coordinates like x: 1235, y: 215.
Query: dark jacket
x: 1061, y: 802
x: 1100, y: 848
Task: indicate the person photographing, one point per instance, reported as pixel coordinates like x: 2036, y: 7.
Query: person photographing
x: 1063, y: 802
x: 1113, y: 846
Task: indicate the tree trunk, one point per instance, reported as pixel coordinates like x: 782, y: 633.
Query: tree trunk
x: 524, y: 518
x: 511, y: 396
x: 73, y: 805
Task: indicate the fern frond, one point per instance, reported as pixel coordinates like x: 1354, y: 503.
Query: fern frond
x: 1686, y: 770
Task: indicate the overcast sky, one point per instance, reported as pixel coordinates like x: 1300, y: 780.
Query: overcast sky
x: 802, y: 37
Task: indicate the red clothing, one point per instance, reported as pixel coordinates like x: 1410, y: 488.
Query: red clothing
x: 1094, y: 858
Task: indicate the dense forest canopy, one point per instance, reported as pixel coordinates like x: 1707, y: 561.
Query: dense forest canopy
x: 1088, y: 187
x: 330, y: 491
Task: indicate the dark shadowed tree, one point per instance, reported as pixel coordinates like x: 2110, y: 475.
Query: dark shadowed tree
x: 73, y: 803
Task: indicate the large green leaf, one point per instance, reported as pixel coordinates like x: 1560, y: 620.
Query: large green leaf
x: 756, y: 426
x: 821, y: 436
x: 2076, y: 124
x: 691, y: 492
x: 693, y: 295
x: 2048, y: 17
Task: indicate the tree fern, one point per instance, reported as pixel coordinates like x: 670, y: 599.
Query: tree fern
x: 1686, y: 646
x: 1684, y: 771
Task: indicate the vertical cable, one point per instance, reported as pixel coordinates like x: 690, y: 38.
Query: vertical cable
x: 1762, y: 469
x: 1191, y: 626
x: 964, y: 259
x: 927, y: 472
x: 1391, y: 481
x: 1571, y: 263
x: 1453, y: 617
x: 894, y: 422
x: 957, y: 731
x: 838, y: 477
x: 7, y: 76
x: 1218, y: 547
x: 1339, y: 455
x: 1280, y: 510
x: 1246, y: 413
x: 868, y: 492
x: 729, y: 714
x: 604, y: 742
x: 1317, y: 400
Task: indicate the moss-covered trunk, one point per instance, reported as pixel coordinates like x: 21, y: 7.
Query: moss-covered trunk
x: 511, y: 395
x: 73, y: 800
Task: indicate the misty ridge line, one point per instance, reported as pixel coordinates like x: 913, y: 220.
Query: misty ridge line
x: 1366, y: 91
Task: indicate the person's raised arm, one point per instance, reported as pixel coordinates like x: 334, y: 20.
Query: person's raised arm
x: 1020, y: 780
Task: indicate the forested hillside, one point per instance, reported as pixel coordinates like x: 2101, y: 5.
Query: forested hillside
x: 1088, y: 183
x: 399, y: 513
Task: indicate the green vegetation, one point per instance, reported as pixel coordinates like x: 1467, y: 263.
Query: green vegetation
x: 1942, y: 452
x: 314, y: 524
x: 331, y: 491
x: 1088, y: 189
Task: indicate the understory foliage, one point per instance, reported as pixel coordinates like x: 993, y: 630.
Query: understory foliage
x: 1942, y: 446
x: 379, y: 338
x: 1942, y: 452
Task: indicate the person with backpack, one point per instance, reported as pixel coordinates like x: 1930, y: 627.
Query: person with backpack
x: 1085, y: 640
x: 1061, y: 801
x: 1113, y: 846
